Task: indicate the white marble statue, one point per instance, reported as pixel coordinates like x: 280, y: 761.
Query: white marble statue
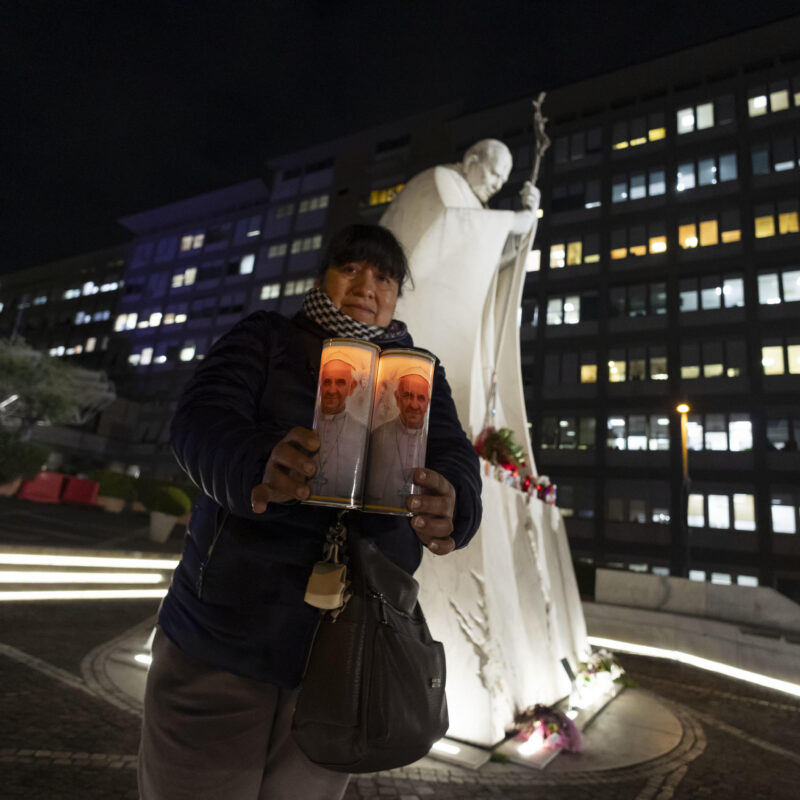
x: 462, y: 257
x: 506, y: 607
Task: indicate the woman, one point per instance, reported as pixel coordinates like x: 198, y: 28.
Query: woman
x: 234, y: 631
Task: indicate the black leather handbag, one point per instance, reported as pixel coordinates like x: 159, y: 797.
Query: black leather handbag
x: 372, y: 697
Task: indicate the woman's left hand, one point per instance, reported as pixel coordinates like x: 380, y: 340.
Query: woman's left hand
x: 433, y: 511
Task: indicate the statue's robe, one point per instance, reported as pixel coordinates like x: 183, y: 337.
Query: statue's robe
x: 506, y: 607
x: 462, y: 264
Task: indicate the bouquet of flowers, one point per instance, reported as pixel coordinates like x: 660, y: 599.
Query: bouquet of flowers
x: 549, y: 728
x: 499, y: 447
x: 597, y: 676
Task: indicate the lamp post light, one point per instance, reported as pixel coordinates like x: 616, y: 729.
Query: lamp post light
x: 683, y: 409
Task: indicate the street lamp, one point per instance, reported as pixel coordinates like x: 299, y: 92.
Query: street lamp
x: 683, y: 409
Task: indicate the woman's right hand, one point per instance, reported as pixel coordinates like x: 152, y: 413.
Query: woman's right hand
x: 287, y: 471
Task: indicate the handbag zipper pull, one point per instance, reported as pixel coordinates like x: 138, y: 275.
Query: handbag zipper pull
x: 379, y: 597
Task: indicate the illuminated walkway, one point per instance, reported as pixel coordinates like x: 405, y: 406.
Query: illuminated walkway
x: 70, y: 684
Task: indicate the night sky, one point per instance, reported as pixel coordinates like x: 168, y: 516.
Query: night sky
x: 115, y: 107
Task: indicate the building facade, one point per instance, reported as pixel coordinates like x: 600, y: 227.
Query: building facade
x: 666, y: 270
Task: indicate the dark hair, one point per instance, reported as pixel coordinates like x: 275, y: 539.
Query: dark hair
x: 370, y: 243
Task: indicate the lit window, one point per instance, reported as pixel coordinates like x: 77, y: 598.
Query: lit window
x: 557, y: 256
x: 179, y: 318
x: 733, y: 292
x: 709, y: 233
x: 697, y: 574
x: 169, y: 318
x: 555, y: 307
x: 657, y: 182
x: 276, y: 250
x: 718, y: 511
x: 696, y: 517
x: 705, y: 116
x: 793, y: 357
x: 155, y: 319
x: 574, y: 253
x: 740, y: 433
x: 91, y: 343
x: 728, y: 236
x: 772, y: 359
x: 721, y: 578
x: 791, y: 285
x: 764, y: 226
x: 638, y: 186
x: 187, y: 352
x: 619, y: 252
x: 654, y: 134
x: 744, y: 512
x: 533, y: 262
x: 270, y: 291
x: 197, y: 241
x: 768, y: 291
x: 658, y: 244
x: 747, y: 580
x: 757, y: 106
x: 685, y: 120
x: 246, y: 264
x: 779, y: 101
x: 686, y: 179
x: 380, y: 196
x: 588, y: 373
x: 572, y: 310
x: 147, y: 356
x: 687, y: 235
x: 788, y: 222
x: 616, y: 371
x: 109, y: 287
x: 71, y: 294
x: 784, y: 517
x: 186, y: 243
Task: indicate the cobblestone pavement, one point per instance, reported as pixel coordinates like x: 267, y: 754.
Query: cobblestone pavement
x: 62, y: 740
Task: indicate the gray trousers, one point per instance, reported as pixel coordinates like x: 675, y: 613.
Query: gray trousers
x: 212, y: 735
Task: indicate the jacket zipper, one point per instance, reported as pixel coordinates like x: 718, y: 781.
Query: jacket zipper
x: 201, y: 575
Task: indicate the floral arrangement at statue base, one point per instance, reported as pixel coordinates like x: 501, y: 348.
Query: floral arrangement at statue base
x: 599, y: 675
x: 503, y: 460
x: 544, y: 727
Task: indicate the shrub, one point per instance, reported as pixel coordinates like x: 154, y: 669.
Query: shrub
x: 160, y: 496
x: 114, y: 484
x: 18, y: 458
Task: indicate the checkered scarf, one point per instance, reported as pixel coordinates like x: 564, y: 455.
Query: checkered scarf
x: 320, y: 308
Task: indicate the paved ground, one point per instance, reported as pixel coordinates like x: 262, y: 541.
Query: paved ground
x: 60, y: 739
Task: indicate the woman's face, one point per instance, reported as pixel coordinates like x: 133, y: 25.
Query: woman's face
x: 362, y: 291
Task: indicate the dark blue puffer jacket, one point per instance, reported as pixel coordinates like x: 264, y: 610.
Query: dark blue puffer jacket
x: 236, y: 599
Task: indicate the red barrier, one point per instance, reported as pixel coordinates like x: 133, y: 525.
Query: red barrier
x: 80, y: 491
x: 44, y: 488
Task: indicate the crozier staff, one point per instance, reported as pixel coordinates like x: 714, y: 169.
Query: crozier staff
x: 234, y: 629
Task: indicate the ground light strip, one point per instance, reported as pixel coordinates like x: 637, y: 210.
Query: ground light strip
x: 48, y: 560
x: 84, y: 594
x: 696, y: 661
x: 79, y: 577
